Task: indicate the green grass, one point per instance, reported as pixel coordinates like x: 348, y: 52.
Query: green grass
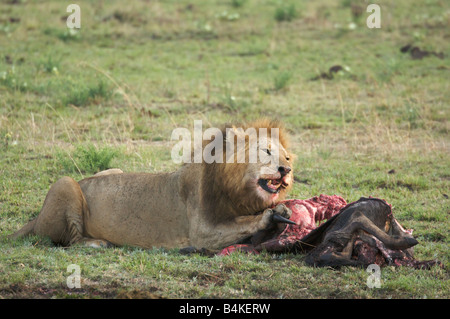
x: 74, y: 103
x: 86, y: 159
x: 285, y: 12
x: 51, y: 65
x: 281, y: 80
x: 82, y: 95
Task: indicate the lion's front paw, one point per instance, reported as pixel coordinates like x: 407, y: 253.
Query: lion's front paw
x: 283, y: 211
x: 266, y: 219
x: 279, y: 214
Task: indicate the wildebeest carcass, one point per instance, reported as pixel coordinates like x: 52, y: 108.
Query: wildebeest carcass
x: 358, y: 234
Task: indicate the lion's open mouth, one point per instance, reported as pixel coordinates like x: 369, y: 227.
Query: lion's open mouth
x: 272, y: 185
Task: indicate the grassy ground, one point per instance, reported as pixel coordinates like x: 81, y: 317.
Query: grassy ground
x: 111, y: 94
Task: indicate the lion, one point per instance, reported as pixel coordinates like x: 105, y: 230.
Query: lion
x: 204, y: 205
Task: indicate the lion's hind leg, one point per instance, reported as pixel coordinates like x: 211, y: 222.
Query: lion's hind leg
x: 61, y: 216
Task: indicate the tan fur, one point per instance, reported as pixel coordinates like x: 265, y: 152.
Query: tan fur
x: 202, y: 205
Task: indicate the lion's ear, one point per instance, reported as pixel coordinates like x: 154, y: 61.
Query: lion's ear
x: 231, y: 133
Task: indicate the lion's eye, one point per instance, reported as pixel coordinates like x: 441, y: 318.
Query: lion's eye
x: 287, y: 158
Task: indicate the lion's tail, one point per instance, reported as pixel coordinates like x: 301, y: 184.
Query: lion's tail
x: 26, y: 230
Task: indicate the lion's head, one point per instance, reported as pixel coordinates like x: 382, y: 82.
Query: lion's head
x: 256, y: 171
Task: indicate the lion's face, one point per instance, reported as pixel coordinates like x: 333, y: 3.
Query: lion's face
x: 255, y: 185
x: 270, y: 178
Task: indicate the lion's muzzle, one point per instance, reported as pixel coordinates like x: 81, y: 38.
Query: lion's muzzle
x: 273, y: 183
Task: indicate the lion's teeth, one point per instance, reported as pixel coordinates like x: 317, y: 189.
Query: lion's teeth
x: 269, y: 182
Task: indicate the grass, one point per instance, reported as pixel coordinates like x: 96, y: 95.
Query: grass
x: 285, y: 12
x: 111, y: 94
x: 51, y: 65
x: 81, y: 94
x: 86, y: 159
x: 281, y: 80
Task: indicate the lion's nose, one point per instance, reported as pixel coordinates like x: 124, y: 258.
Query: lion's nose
x: 284, y: 170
